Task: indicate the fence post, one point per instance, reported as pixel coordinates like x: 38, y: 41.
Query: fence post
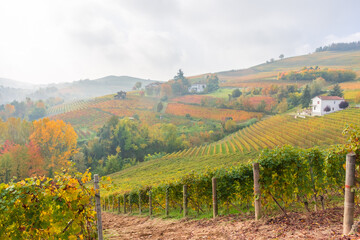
x: 139, y: 202
x: 257, y: 193
x: 130, y: 210
x: 185, y: 200
x: 124, y: 203
x: 98, y: 207
x: 150, y: 203
x: 167, y: 201
x: 349, y: 194
x: 119, y: 205
x: 214, y: 198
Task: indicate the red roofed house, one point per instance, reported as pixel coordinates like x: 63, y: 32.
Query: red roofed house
x: 325, y: 104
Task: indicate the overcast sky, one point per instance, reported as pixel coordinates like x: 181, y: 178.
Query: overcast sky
x: 44, y: 41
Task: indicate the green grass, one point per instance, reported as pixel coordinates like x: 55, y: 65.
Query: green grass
x: 221, y: 93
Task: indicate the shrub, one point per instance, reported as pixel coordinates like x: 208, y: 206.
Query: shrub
x: 343, y: 105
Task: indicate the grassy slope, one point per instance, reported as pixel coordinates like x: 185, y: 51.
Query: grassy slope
x: 269, y: 71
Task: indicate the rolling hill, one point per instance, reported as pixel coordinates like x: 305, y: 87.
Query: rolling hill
x: 268, y: 71
x: 240, y: 147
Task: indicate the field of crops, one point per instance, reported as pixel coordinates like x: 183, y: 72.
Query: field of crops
x: 210, y: 113
x: 196, y: 99
x: 88, y: 115
x: 278, y: 131
x: 256, y: 100
x: 350, y: 85
x: 240, y: 147
x: 73, y: 106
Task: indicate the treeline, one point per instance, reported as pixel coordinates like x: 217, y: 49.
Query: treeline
x: 125, y: 142
x: 28, y: 109
x: 339, y: 47
x: 38, y: 148
x: 311, y: 73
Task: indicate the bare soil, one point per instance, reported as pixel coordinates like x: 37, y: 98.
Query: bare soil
x: 315, y: 225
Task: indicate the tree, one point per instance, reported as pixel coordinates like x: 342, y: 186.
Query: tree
x: 336, y: 91
x: 212, y: 82
x: 282, y: 107
x: 305, y: 97
x: 316, y: 86
x: 159, y: 107
x: 230, y: 126
x: 180, y: 84
x: 281, y: 56
x: 37, y: 113
x: 138, y: 85
x: 343, y: 105
x: 236, y: 93
x: 57, y: 141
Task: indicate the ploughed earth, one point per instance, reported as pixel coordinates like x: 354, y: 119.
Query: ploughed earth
x: 315, y: 225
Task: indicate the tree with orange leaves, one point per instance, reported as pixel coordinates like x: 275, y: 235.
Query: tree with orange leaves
x: 57, y: 141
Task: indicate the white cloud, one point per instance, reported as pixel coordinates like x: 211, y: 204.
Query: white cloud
x: 354, y: 37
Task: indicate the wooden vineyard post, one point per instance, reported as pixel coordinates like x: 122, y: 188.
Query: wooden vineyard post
x: 124, y: 203
x: 150, y: 203
x: 108, y: 204
x: 139, y: 202
x: 257, y: 193
x: 119, y: 205
x: 167, y: 201
x: 349, y: 194
x: 130, y: 210
x: 214, y: 198
x: 185, y: 200
x: 113, y: 203
x: 98, y: 207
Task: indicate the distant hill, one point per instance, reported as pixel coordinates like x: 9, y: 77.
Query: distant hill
x: 90, y: 88
x: 5, y: 82
x: 82, y: 89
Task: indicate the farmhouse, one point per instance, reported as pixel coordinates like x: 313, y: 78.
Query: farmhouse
x: 325, y: 104
x: 197, y: 88
x: 120, y: 95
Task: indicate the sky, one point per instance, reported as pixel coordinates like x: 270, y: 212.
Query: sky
x: 44, y: 41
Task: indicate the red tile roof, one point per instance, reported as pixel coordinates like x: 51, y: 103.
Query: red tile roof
x: 330, y: 98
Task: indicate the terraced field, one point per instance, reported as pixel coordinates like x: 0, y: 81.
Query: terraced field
x: 278, y: 131
x: 87, y: 116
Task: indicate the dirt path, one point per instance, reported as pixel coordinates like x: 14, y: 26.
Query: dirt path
x: 320, y: 225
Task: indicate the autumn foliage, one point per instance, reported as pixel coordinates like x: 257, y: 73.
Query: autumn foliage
x: 35, y: 149
x: 211, y: 113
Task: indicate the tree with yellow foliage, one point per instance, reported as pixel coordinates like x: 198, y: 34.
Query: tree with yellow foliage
x: 57, y: 141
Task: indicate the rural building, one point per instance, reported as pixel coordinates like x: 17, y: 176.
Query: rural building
x: 325, y: 104
x: 120, y: 95
x: 153, y: 88
x: 197, y: 88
